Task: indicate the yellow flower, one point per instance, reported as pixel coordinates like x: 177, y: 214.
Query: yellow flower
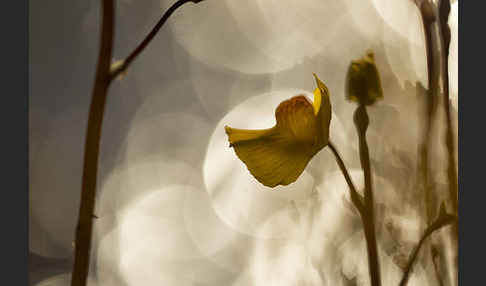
x: 278, y: 155
x: 363, y: 81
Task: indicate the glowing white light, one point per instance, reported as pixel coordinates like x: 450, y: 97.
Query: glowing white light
x: 126, y: 184
x: 153, y: 132
x: 453, y: 55
x: 256, y: 36
x: 238, y: 198
x: 403, y: 17
x: 205, y: 228
x: 150, y: 244
x: 307, y: 254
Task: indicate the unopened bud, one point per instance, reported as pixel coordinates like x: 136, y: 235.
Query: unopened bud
x: 363, y: 81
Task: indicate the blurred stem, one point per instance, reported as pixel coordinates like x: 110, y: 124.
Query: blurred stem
x: 445, y: 36
x: 125, y: 63
x: 84, y: 228
x: 428, y: 20
x: 361, y: 121
x: 445, y: 39
x: 436, y: 56
x: 442, y: 220
x: 104, y: 76
x: 355, y: 196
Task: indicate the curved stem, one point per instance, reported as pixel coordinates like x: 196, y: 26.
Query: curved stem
x: 355, y: 196
x: 441, y: 221
x: 125, y: 63
x: 84, y: 227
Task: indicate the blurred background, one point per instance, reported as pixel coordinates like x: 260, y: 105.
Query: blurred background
x: 174, y: 204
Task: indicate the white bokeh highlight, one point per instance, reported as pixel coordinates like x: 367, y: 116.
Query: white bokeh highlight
x: 237, y: 197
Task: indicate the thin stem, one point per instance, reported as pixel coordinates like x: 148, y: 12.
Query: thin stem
x: 355, y: 196
x: 433, y: 63
x: 443, y: 220
x: 445, y: 39
x: 361, y: 121
x: 445, y: 35
x: 428, y: 19
x: 125, y: 63
x: 84, y: 227
x: 104, y: 76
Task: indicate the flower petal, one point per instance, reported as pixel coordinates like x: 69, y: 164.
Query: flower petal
x: 277, y: 156
x: 322, y: 109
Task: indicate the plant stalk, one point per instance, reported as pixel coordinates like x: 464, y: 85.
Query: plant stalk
x: 104, y: 76
x: 445, y: 36
x: 361, y: 121
x: 355, y: 196
x: 84, y: 227
x: 445, y: 39
x: 428, y: 20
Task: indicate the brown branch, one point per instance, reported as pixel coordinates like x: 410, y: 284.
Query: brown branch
x: 445, y: 39
x: 445, y: 36
x: 84, y: 228
x: 365, y: 211
x: 104, y: 76
x: 433, y: 57
x: 125, y: 63
x: 356, y: 198
x: 361, y: 121
x: 428, y: 19
x: 442, y: 220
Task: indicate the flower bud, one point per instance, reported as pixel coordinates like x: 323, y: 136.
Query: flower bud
x: 363, y: 81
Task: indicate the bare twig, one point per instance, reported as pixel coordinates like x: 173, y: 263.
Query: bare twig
x: 84, y: 228
x: 125, y: 63
x: 104, y: 76
x: 442, y: 220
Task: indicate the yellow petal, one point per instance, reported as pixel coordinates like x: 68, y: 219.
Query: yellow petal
x: 236, y: 135
x: 319, y: 92
x: 277, y: 156
x: 322, y: 109
x: 296, y: 116
x: 317, y: 100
